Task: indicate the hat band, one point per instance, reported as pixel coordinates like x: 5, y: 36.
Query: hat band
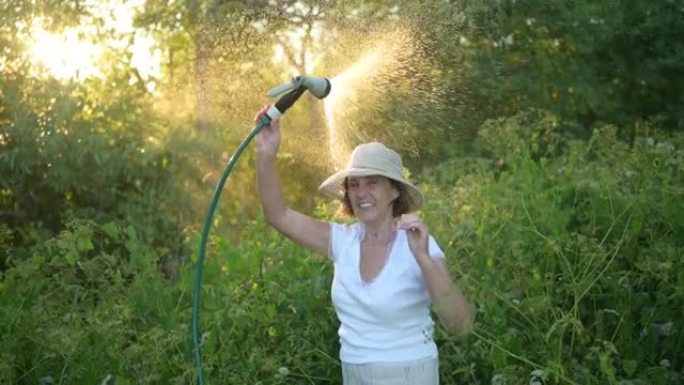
x: 381, y: 171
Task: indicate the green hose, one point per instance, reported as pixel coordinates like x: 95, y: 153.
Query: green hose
x: 196, y: 338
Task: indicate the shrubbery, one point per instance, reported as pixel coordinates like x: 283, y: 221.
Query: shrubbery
x: 570, y: 249
x: 545, y: 135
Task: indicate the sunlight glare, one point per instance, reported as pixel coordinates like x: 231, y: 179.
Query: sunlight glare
x: 65, y: 55
x: 68, y: 55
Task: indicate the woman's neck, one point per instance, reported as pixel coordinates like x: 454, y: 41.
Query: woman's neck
x: 381, y: 231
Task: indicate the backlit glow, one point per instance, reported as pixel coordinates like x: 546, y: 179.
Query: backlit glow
x: 65, y: 55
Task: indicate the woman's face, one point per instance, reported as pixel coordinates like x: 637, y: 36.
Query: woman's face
x: 371, y: 197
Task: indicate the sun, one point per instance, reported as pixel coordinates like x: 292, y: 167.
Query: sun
x: 64, y: 55
x: 69, y: 54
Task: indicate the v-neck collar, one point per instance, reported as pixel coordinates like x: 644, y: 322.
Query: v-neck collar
x: 385, y: 266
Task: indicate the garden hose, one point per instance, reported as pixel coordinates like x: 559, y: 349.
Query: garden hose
x: 196, y: 338
x: 319, y: 87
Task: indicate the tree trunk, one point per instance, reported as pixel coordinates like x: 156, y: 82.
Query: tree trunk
x: 201, y: 66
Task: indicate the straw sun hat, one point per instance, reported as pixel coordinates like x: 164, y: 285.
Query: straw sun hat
x: 370, y: 159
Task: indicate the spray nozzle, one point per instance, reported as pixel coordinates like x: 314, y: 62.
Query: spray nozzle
x: 318, y: 86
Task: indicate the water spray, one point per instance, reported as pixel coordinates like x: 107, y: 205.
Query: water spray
x: 289, y: 93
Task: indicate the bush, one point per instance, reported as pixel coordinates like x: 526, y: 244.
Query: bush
x: 91, y: 303
x: 571, y: 251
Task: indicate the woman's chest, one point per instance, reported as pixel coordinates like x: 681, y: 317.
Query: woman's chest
x: 374, y: 278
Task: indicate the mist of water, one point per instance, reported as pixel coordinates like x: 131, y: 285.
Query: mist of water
x: 347, y: 88
x: 359, y: 108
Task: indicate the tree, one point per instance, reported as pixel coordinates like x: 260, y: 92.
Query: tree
x: 80, y: 148
x: 616, y: 62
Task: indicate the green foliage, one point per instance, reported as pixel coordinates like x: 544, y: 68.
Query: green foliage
x: 91, y: 303
x: 546, y: 136
x: 571, y: 250
x: 70, y: 308
x: 65, y: 155
x: 593, y: 62
x: 267, y: 316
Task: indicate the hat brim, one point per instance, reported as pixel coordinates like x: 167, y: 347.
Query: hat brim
x: 333, y: 187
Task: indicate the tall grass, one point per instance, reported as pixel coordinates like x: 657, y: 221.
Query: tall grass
x: 571, y: 251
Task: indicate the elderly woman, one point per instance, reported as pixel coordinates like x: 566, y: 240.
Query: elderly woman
x: 388, y: 269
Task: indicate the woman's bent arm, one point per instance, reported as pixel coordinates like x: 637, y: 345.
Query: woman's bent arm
x: 307, y: 231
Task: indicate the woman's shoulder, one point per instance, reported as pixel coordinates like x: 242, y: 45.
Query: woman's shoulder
x: 350, y: 228
x: 346, y: 231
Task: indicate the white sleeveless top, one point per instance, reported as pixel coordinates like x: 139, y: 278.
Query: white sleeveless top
x: 387, y: 319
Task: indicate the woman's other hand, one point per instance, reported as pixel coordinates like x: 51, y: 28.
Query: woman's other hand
x: 417, y: 234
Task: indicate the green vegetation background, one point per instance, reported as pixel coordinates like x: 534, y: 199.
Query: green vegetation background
x: 547, y: 136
